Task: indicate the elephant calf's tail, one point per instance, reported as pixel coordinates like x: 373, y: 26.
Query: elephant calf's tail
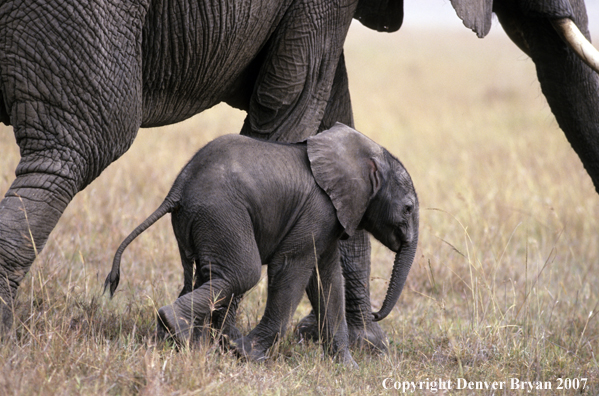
x: 112, y: 280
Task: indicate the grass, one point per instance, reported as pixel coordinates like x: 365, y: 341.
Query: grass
x: 504, y: 284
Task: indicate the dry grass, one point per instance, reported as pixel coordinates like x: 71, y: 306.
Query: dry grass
x: 505, y: 283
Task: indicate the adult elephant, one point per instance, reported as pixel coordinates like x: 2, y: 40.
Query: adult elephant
x: 79, y: 78
x: 554, y: 34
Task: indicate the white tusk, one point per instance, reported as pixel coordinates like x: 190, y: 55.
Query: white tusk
x: 570, y: 33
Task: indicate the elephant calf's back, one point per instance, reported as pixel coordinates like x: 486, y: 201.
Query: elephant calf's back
x: 270, y: 183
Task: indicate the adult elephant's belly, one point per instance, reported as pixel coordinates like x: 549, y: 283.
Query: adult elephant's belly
x: 193, y: 58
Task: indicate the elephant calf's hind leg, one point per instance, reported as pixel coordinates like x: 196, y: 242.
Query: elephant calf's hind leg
x: 287, y: 279
x: 185, y: 319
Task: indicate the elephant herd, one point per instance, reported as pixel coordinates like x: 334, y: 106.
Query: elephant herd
x: 299, y: 191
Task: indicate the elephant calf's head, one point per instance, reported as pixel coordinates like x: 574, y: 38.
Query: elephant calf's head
x: 370, y: 189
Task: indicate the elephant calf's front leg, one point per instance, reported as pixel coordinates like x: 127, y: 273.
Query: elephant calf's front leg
x: 363, y: 331
x: 326, y: 294
x: 355, y: 262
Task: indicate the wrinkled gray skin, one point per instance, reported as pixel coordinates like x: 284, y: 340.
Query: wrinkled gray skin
x: 79, y: 78
x: 242, y: 202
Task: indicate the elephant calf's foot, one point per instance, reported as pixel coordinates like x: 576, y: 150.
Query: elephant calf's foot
x: 168, y: 327
x: 307, y: 328
x: 368, y: 336
x: 246, y: 348
x: 171, y: 326
x: 345, y: 358
x: 224, y: 327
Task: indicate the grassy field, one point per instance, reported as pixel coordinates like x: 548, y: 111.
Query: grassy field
x: 505, y: 282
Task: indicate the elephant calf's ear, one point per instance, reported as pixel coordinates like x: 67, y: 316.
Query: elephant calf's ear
x: 345, y: 165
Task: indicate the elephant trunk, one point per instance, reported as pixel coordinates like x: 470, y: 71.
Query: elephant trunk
x: 401, y: 268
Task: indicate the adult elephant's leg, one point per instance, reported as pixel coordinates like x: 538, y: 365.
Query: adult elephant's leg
x: 338, y: 107
x: 355, y: 252
x: 28, y: 213
x: 293, y: 84
x: 301, y: 83
x: 570, y: 86
x: 72, y: 88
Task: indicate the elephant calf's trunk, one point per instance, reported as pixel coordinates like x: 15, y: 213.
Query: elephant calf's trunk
x: 401, y: 268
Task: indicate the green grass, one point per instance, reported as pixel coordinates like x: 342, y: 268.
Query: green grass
x: 505, y: 282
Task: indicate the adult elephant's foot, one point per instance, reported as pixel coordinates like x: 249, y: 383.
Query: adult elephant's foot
x: 6, y: 304
x: 27, y: 216
x: 362, y: 334
x: 247, y: 348
x: 6, y: 317
x: 9, y: 282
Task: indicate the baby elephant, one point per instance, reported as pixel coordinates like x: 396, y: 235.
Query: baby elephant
x: 240, y: 203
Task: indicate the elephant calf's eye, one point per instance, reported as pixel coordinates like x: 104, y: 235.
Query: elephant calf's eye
x: 408, y: 209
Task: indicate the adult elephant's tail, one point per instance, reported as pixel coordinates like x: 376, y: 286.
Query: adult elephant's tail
x: 112, y: 280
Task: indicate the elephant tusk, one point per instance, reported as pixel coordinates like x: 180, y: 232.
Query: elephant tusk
x: 570, y: 33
